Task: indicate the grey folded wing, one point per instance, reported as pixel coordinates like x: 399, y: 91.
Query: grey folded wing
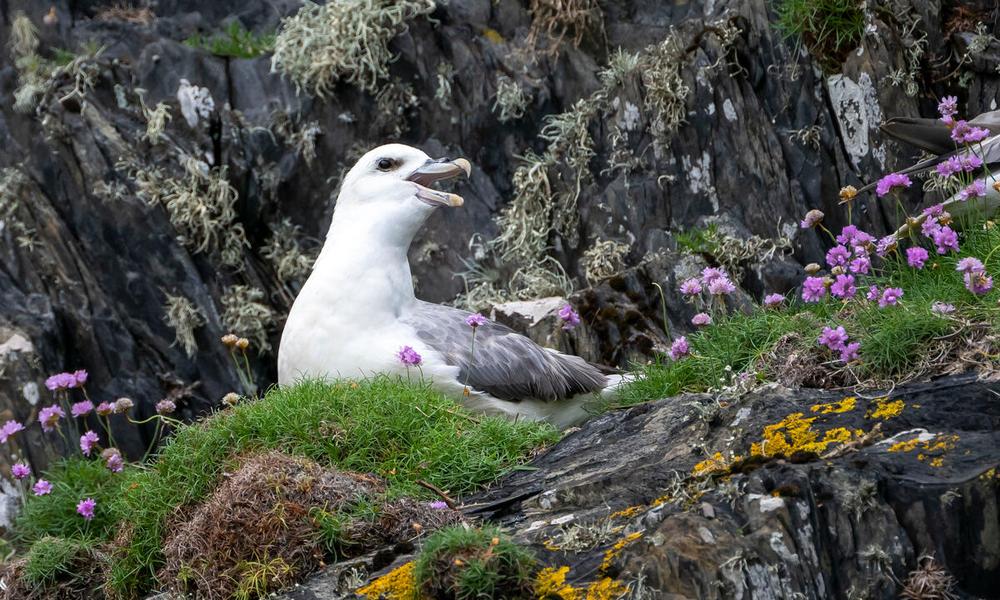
x: 507, y: 365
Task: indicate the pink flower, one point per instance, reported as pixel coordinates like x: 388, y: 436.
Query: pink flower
x: 963, y: 133
x: 929, y: 227
x: 843, y: 287
x: 837, y: 256
x: 970, y: 162
x: 42, y: 488
x: 885, y: 245
x: 165, y: 407
x: 948, y: 106
x: 88, y: 442
x: 9, y: 428
x: 49, y: 416
x: 977, y: 189
x: 80, y: 376
x: 113, y: 458
x: 873, y: 293
x: 948, y: 167
x: 813, y: 289
x: 890, y: 297
x: 701, y: 319
x: 438, y: 505
x: 945, y: 239
x: 708, y: 274
x: 849, y: 352
x: 773, y: 300
x: 942, y: 308
x: 409, y: 357
x: 80, y: 409
x: 680, y: 348
x: 60, y: 381
x: 721, y: 286
x: 891, y: 182
x: 834, y: 339
x: 812, y: 218
x: 934, y: 211
x: 475, y: 320
x: 852, y: 236
x: 691, y: 287
x: 569, y: 317
x: 978, y: 283
x: 20, y: 471
x: 86, y: 508
x: 970, y: 264
x: 861, y: 265
x: 104, y: 409
x: 916, y: 257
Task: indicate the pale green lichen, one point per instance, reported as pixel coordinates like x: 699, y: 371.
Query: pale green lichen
x: 183, y: 317
x: 666, y: 91
x: 392, y: 103
x: 286, y: 254
x: 511, y: 99
x: 345, y: 40
x: 201, y: 206
x: 606, y: 258
x: 244, y: 314
x: 442, y: 93
x: 156, y: 122
x: 13, y: 189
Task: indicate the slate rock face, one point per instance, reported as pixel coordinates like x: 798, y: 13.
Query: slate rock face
x: 765, y: 136
x: 811, y: 495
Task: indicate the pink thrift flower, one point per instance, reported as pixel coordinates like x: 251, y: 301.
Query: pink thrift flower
x: 843, y: 287
x: 701, y: 319
x: 852, y: 236
x: 569, y: 317
x: 891, y: 182
x: 963, y: 133
x: 873, y: 293
x: 721, y: 286
x: 885, y: 245
x: 812, y: 218
x: 934, y: 211
x: 86, y: 508
x: 946, y: 239
x: 709, y: 274
x: 680, y: 348
x: 948, y: 167
x: 80, y: 409
x: 115, y: 463
x: 9, y: 428
x: 88, y: 442
x: 977, y: 189
x: 970, y: 264
x: 969, y: 162
x: 861, y: 265
x: 691, y: 287
x: 834, y: 339
x: 813, y: 289
x: 942, y: 308
x: 929, y: 227
x: 165, y: 407
x: 475, y: 320
x: 978, y: 283
x: 916, y: 257
x: 849, y: 352
x: 409, y: 357
x: 837, y: 256
x: 771, y: 300
x: 890, y: 297
x: 60, y: 381
x: 948, y: 106
x: 42, y: 488
x: 20, y: 471
x: 80, y: 378
x: 49, y: 417
x: 438, y: 505
x: 104, y: 409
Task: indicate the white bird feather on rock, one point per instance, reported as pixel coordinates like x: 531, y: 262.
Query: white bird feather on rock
x: 357, y: 309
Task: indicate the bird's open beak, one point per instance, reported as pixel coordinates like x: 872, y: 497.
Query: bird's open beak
x: 439, y: 170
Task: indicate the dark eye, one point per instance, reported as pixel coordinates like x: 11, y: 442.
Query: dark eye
x: 385, y: 164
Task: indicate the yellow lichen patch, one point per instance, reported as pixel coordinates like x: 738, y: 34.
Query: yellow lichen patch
x: 884, y: 409
x: 989, y: 474
x: 930, y: 451
x: 606, y: 589
x: 841, y: 406
x: 906, y: 446
x: 550, y: 545
x: 627, y: 513
x: 550, y: 584
x: 493, y: 35
x: 612, y: 553
x: 794, y: 434
x: 397, y: 584
x: 717, y: 463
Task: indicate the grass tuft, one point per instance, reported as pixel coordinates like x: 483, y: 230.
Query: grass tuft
x: 51, y: 558
x: 234, y: 41
x: 830, y: 29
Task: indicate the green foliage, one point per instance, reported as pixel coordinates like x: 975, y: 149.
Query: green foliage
x: 828, y: 28
x: 698, y: 240
x: 55, y: 513
x: 382, y: 425
x: 51, y: 558
x: 235, y: 41
x: 468, y: 563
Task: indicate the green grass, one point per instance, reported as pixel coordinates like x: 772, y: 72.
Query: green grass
x: 234, y: 41
x: 383, y: 425
x: 828, y: 28
x: 52, y: 558
x: 893, y: 340
x: 469, y: 563
x: 55, y: 514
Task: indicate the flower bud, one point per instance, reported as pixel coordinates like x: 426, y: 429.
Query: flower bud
x: 231, y: 399
x: 243, y: 343
x: 229, y: 340
x: 813, y: 268
x: 847, y: 193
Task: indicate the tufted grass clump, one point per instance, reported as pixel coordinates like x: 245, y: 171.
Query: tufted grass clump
x: 464, y: 563
x: 54, y: 514
x: 383, y: 425
x: 829, y: 29
x: 52, y: 558
x: 347, y: 40
x: 234, y: 41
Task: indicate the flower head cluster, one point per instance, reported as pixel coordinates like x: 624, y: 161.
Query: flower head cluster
x: 843, y: 287
x: 963, y: 133
x: 701, y: 319
x: 772, y: 300
x: 836, y: 340
x: 891, y: 182
x: 974, y: 274
x: 82, y: 408
x: 49, y: 417
x: 9, y: 428
x: 890, y: 297
x: 113, y: 460
x: 813, y: 218
x: 123, y: 405
x: 89, y: 441
x: 976, y: 189
x: 715, y: 280
x: 475, y: 320
x: 165, y: 407
x: 964, y: 163
x: 680, y: 348
x: 86, y: 508
x: 409, y: 357
x: 916, y: 257
x: 569, y: 317
x: 20, y: 471
x: 65, y: 381
x: 942, y: 308
x: 813, y: 289
x: 42, y: 488
x: 948, y: 107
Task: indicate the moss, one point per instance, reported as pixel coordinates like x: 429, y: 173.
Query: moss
x: 346, y: 40
x: 829, y: 29
x: 235, y: 41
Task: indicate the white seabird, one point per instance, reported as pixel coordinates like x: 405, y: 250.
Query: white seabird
x: 357, y: 309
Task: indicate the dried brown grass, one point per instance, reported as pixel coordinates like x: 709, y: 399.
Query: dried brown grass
x: 121, y: 11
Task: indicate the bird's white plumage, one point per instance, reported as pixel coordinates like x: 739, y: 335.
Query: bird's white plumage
x: 357, y: 309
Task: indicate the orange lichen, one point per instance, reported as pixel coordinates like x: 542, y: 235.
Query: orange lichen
x: 627, y: 513
x: 794, y: 434
x: 717, y: 463
x: 550, y: 583
x: 612, y: 553
x: 841, y: 406
x: 884, y: 409
x: 397, y: 584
